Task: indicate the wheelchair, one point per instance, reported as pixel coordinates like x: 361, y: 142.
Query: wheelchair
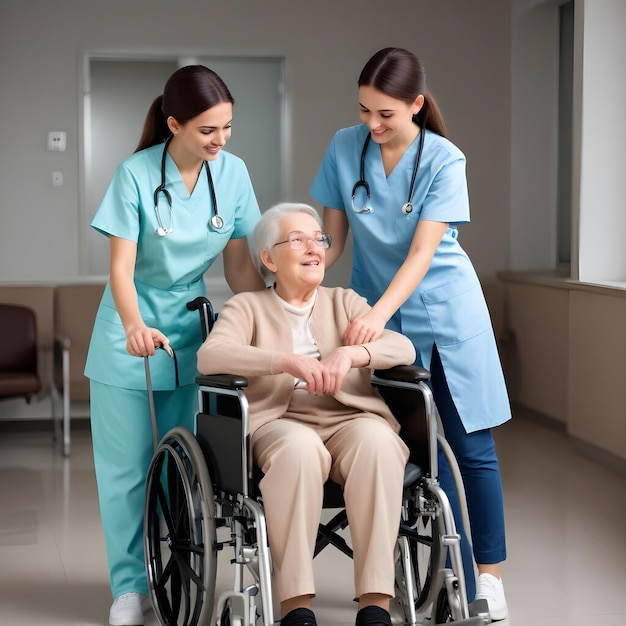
x: 202, y: 497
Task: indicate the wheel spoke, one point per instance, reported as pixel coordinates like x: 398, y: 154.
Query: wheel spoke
x: 187, y: 571
x: 181, y: 567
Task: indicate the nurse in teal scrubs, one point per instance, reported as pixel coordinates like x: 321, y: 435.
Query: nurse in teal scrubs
x: 404, y: 213
x: 171, y: 209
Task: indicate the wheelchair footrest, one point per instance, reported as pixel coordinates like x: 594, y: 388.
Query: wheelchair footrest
x: 480, y: 608
x: 471, y: 621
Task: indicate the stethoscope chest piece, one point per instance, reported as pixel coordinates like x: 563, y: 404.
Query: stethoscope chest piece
x: 407, y: 207
x: 365, y: 208
x: 161, y: 231
x: 217, y: 222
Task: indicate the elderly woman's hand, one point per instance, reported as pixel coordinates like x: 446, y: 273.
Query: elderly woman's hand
x: 339, y: 363
x: 305, y: 368
x: 325, y: 376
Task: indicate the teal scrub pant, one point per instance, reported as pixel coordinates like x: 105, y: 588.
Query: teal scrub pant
x: 121, y: 430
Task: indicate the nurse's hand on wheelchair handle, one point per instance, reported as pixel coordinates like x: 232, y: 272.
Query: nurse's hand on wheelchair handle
x: 167, y: 348
x: 143, y: 341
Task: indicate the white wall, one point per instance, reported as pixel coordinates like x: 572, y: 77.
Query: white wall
x: 534, y: 134
x: 600, y: 153
x: 117, y: 98
x: 598, y: 134
x: 465, y: 46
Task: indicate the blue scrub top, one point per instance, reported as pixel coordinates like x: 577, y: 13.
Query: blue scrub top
x: 448, y: 307
x: 169, y: 270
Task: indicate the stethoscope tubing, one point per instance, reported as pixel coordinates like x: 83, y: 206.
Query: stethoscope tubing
x: 216, y: 220
x: 407, y: 207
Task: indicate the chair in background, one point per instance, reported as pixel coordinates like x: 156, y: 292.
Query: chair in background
x: 19, y: 375
x: 75, y: 307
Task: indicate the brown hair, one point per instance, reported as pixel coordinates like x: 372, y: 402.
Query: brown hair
x: 189, y: 91
x: 400, y: 74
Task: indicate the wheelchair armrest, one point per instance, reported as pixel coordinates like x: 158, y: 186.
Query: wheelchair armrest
x: 403, y: 374
x: 223, y: 381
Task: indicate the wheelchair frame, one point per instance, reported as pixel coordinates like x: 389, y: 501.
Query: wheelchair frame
x: 199, y: 483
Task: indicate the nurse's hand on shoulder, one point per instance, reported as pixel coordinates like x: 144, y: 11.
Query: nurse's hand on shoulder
x: 143, y: 341
x: 364, y: 329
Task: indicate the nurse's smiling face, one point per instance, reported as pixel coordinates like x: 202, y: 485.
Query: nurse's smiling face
x: 389, y: 119
x: 206, y: 134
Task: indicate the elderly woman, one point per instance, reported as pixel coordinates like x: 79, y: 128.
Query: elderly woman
x: 313, y: 412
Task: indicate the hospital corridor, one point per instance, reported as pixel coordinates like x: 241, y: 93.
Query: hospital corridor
x: 565, y: 515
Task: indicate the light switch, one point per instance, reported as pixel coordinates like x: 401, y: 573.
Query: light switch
x: 57, y: 140
x: 57, y: 179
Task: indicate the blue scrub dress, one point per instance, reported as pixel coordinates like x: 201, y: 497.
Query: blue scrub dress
x: 169, y: 273
x: 447, y: 309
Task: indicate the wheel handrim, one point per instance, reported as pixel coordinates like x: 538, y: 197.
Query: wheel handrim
x: 181, y: 561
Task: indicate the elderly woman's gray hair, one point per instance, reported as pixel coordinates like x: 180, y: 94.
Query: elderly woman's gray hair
x: 267, y: 230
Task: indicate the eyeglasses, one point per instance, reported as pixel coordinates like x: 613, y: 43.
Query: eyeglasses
x: 298, y: 240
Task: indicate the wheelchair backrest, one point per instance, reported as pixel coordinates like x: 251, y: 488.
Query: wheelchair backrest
x: 222, y: 431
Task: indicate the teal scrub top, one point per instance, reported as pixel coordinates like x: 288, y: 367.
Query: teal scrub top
x: 447, y: 308
x: 169, y: 270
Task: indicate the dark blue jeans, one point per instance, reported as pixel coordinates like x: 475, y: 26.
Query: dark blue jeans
x: 476, y: 455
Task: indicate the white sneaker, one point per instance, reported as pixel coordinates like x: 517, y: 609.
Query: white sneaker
x: 491, y: 589
x: 127, y: 610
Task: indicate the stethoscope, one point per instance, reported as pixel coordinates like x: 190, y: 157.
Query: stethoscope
x: 216, y: 221
x: 407, y: 207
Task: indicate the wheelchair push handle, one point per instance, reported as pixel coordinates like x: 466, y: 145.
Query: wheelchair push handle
x: 207, y: 314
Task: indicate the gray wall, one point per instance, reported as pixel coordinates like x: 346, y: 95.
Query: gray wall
x: 465, y: 45
x: 119, y: 90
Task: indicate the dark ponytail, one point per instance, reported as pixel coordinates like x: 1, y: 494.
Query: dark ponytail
x: 155, y: 128
x: 189, y: 91
x: 400, y: 74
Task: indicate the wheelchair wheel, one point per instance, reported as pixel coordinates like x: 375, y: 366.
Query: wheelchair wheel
x: 423, y: 532
x: 427, y: 556
x: 179, y: 532
x: 443, y: 612
x: 228, y: 619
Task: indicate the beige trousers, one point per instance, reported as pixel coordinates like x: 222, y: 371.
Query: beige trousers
x: 297, y: 456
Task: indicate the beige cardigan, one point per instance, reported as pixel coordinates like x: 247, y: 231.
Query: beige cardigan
x: 253, y: 327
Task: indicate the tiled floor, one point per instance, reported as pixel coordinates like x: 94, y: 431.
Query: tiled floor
x: 566, y: 519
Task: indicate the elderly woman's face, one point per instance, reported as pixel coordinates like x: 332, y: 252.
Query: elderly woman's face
x: 298, y: 259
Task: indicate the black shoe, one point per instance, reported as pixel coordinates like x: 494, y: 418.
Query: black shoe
x: 373, y: 616
x: 299, y: 617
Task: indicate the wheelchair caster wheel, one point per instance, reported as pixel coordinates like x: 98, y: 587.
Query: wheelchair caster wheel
x: 232, y: 608
x: 228, y: 619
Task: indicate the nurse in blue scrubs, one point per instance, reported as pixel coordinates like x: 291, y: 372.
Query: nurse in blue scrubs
x: 400, y: 186
x: 171, y: 209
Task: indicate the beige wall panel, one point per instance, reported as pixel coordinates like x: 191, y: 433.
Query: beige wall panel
x: 598, y: 370
x: 535, y: 357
